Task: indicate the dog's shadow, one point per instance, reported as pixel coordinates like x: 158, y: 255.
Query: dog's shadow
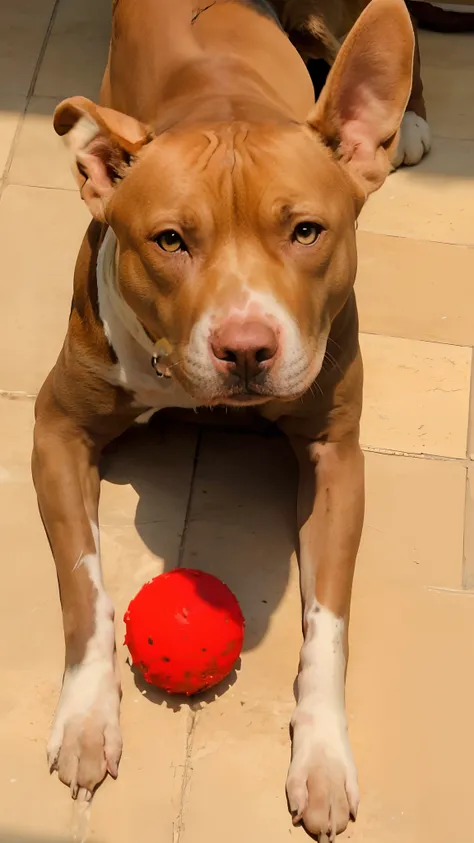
x: 234, y: 516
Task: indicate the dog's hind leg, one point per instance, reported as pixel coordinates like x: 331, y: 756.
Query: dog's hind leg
x: 415, y: 133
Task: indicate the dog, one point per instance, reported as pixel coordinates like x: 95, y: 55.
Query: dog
x: 317, y: 28
x: 218, y: 270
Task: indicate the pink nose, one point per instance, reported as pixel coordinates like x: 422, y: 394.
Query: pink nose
x: 244, y: 348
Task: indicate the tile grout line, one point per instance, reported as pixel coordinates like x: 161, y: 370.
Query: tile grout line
x: 468, y: 526
x: 369, y: 449
x: 19, y: 395
x: 189, y: 501
x: 40, y: 186
x: 178, y: 823
x: 29, y: 95
x: 412, y: 237
x: 414, y: 339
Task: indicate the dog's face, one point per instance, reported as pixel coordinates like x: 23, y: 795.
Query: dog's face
x: 237, y: 241
x: 237, y: 247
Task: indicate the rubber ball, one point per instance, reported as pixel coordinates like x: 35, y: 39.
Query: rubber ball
x: 184, y: 631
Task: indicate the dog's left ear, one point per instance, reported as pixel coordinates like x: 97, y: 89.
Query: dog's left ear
x: 103, y: 144
x: 362, y: 104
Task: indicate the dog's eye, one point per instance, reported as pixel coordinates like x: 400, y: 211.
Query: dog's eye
x: 307, y: 233
x: 170, y: 241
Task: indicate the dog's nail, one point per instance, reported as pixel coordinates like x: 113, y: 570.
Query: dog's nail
x: 112, y: 768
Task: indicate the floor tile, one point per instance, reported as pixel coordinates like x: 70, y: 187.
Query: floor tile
x: 31, y: 654
x: 241, y: 528
x: 76, y: 55
x: 10, y: 115
x: 416, y: 396
x: 23, y: 27
x: 432, y: 201
x: 414, y: 288
x: 40, y: 234
x: 41, y: 158
x: 439, y: 49
x: 448, y: 94
x: 413, y: 529
x: 410, y: 698
x: 244, y: 484
x: 446, y: 67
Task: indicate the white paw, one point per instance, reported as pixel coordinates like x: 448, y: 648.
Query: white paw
x: 322, y: 780
x: 85, y: 740
x: 414, y: 141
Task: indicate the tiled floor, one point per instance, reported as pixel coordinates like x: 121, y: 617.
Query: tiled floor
x: 193, y: 774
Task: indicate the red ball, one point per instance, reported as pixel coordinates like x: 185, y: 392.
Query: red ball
x: 184, y: 630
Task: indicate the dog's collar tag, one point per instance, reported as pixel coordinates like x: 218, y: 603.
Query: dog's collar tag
x: 161, y: 350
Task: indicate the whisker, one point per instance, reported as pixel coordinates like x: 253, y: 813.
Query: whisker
x: 330, y: 339
x: 178, y: 363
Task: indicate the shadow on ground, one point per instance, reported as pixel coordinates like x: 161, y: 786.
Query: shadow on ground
x: 240, y: 522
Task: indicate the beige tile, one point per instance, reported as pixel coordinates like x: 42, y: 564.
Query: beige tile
x: 410, y: 700
x: 432, y: 201
x: 31, y: 642
x: 10, y: 114
x: 147, y: 793
x: 241, y: 528
x: 41, y: 158
x: 414, y: 288
x: 23, y: 26
x: 414, y: 520
x: 446, y: 67
x: 439, y: 49
x: 241, y: 522
x: 143, y: 479
x: 76, y: 55
x: 40, y: 233
x: 448, y: 94
x: 416, y: 396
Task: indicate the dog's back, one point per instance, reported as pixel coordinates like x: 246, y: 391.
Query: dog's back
x: 183, y: 44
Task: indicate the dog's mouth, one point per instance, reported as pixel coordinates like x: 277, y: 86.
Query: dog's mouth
x: 245, y: 398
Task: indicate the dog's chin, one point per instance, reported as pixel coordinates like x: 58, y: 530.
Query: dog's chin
x: 213, y: 394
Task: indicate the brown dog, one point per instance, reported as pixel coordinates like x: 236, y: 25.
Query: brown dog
x: 219, y: 270
x: 317, y: 28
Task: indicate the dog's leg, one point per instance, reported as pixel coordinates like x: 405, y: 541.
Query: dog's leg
x: 85, y: 741
x: 415, y: 133
x: 322, y: 781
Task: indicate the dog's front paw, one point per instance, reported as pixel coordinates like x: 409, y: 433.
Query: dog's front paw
x: 85, y: 740
x: 414, y: 141
x: 322, y: 780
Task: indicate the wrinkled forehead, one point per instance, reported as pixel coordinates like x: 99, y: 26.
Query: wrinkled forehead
x: 240, y: 170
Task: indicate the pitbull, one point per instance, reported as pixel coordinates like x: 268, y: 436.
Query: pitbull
x: 218, y: 270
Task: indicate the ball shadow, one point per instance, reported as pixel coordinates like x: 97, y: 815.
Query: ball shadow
x: 176, y: 702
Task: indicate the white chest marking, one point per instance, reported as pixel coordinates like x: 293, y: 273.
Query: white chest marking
x: 132, y: 346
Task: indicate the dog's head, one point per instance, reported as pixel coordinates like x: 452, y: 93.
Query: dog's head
x: 237, y: 240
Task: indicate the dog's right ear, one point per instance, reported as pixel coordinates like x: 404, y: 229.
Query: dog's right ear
x: 361, y: 106
x: 103, y: 144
